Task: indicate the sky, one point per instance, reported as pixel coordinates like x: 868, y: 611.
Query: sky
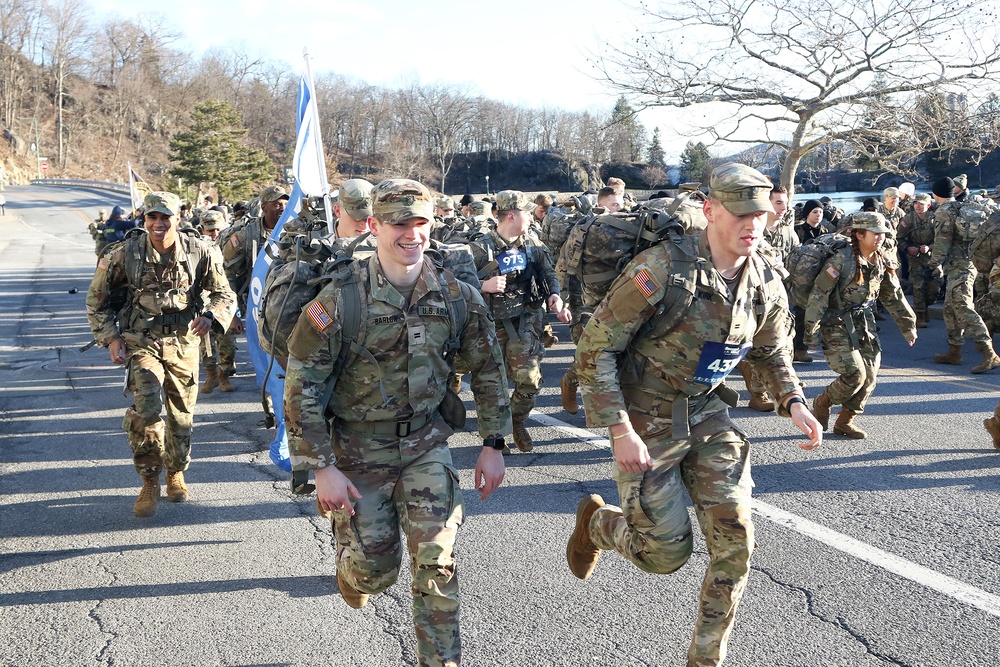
x: 528, y: 52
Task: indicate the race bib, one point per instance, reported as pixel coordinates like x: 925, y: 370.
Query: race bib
x: 717, y: 361
x: 512, y: 260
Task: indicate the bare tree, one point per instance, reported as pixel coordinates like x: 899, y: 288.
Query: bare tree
x: 799, y: 74
x: 445, y: 114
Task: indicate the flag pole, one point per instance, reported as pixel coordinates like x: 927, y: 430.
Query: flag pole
x: 318, y: 138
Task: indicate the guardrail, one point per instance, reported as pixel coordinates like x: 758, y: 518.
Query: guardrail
x: 99, y: 185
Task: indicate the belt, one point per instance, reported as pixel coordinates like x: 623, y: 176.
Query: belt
x: 677, y: 407
x: 168, y: 324
x: 399, y: 429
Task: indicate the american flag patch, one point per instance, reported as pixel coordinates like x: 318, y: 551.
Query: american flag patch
x: 645, y: 283
x: 235, y: 241
x: 102, y: 264
x: 317, y: 313
x: 832, y: 272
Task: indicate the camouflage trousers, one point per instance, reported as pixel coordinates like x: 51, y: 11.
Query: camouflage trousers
x: 522, y: 355
x: 653, y: 530
x: 407, y: 483
x: 960, y: 316
x: 576, y: 327
x: 857, y: 369
x: 161, y: 368
x: 925, y: 289
x: 219, y: 351
x: 988, y: 307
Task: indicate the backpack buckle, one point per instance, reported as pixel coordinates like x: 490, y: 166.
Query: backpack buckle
x: 402, y: 429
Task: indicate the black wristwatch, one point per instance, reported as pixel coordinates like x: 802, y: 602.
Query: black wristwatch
x: 495, y: 443
x: 793, y: 400
x: 209, y: 314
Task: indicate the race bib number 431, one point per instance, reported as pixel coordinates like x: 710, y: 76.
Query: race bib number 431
x: 717, y: 361
x: 512, y: 260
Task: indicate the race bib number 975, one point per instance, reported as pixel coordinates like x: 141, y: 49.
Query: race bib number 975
x: 512, y: 260
x: 717, y: 361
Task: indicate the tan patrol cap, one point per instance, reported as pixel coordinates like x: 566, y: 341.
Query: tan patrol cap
x: 162, y: 202
x: 272, y: 193
x: 870, y: 221
x: 397, y: 200
x: 892, y: 193
x: 355, y: 197
x: 445, y: 203
x: 479, y: 207
x: 514, y: 200
x: 212, y: 220
x: 742, y: 190
x: 923, y: 197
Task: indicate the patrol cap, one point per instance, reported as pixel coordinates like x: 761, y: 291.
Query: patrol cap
x: 870, y: 222
x: 162, y: 202
x: 355, y: 197
x: 103, y: 211
x: 513, y: 200
x: 396, y: 200
x: 922, y: 197
x: 272, y: 193
x: 212, y: 220
x: 445, y: 203
x: 892, y: 193
x: 742, y: 190
x: 480, y: 208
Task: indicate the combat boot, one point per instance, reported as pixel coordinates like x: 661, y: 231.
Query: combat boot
x: 455, y: 382
x: 921, y: 320
x: 953, y: 356
x: 761, y: 401
x: 581, y: 552
x: 211, y: 380
x: 549, y: 338
x: 145, y: 504
x: 802, y: 357
x: 352, y: 596
x: 989, y: 361
x: 224, y: 383
x: 821, y: 410
x: 521, y: 436
x: 568, y: 389
x: 992, y: 425
x: 177, y: 491
x: 845, y: 425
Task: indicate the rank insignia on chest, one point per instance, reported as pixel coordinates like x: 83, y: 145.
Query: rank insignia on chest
x: 832, y: 272
x: 645, y: 283
x: 317, y: 313
x: 102, y: 264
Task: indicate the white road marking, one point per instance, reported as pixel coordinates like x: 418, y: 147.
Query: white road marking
x: 941, y: 583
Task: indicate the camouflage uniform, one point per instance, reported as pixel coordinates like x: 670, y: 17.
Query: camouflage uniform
x: 519, y: 312
x: 154, y: 325
x: 96, y: 229
x: 926, y: 282
x: 218, y: 348
x: 841, y: 307
x: 241, y: 244
x: 674, y: 403
x: 386, y: 435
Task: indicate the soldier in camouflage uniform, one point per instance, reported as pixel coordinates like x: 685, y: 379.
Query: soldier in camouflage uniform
x: 916, y: 236
x: 669, y: 419
x: 381, y: 461
x: 950, y: 251
x: 444, y: 218
x: 218, y: 350
x: 162, y: 274
x: 353, y: 207
x: 518, y: 281
x: 96, y: 229
x: 842, y: 307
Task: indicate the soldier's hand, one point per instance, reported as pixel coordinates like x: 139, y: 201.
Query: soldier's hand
x: 201, y: 326
x: 556, y: 305
x: 631, y: 453
x: 334, y: 491
x: 807, y: 423
x: 117, y: 351
x: 495, y: 285
x: 489, y: 471
x: 236, y: 326
x: 912, y: 251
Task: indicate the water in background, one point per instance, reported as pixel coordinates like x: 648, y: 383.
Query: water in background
x: 848, y: 201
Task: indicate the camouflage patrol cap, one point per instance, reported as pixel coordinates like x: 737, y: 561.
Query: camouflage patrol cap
x: 922, y: 197
x: 162, y: 202
x: 445, y: 203
x: 212, y: 220
x: 870, y: 222
x: 355, y: 197
x: 103, y: 211
x: 480, y: 208
x: 514, y: 200
x: 742, y: 190
x: 272, y: 193
x: 892, y: 193
x: 396, y: 200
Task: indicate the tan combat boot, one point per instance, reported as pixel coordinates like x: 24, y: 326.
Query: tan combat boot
x: 224, y: 383
x: 581, y: 552
x: 177, y: 491
x: 953, y: 356
x: 802, y: 357
x: 992, y: 425
x: 921, y: 320
x: 761, y: 401
x: 845, y: 425
x: 821, y: 410
x: 568, y: 390
x: 352, y: 596
x: 521, y: 436
x: 145, y: 504
x: 989, y: 361
x: 211, y: 380
x: 549, y: 338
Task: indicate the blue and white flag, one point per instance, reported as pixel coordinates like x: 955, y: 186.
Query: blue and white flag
x: 310, y: 172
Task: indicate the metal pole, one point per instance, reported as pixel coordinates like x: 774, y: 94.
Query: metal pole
x: 38, y: 148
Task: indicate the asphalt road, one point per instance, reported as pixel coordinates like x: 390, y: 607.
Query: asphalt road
x: 884, y: 551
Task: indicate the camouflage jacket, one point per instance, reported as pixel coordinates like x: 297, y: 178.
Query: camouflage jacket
x: 837, y: 290
x: 240, y: 246
x: 536, y: 282
x: 782, y: 237
x: 893, y: 216
x: 914, y: 232
x: 951, y: 239
x: 164, y: 287
x: 403, y: 372
x: 622, y: 355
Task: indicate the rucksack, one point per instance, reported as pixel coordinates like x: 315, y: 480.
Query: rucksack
x: 560, y: 220
x: 985, y: 247
x: 805, y: 262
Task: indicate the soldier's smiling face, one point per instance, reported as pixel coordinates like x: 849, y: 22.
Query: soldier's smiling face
x: 162, y: 228
x: 404, y: 243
